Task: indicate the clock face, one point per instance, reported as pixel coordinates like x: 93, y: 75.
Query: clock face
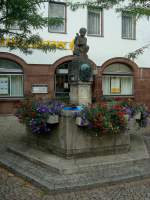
x: 85, y: 72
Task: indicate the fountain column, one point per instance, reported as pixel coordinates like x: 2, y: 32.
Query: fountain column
x: 80, y: 72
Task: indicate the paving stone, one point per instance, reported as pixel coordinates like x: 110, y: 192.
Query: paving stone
x: 134, y: 190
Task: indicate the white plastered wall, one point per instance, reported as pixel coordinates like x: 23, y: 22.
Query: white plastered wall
x: 101, y: 48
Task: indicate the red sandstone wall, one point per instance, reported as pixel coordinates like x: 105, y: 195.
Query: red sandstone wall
x: 39, y: 74
x: 44, y: 74
x: 33, y: 74
x: 142, y: 86
x: 8, y: 106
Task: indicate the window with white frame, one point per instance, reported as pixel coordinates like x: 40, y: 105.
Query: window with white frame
x: 11, y: 79
x: 95, y: 22
x: 57, y: 12
x: 117, y: 80
x: 128, y: 26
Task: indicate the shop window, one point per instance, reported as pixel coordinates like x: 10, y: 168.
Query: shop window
x: 57, y: 11
x: 117, y: 80
x: 11, y: 79
x: 128, y: 26
x: 95, y: 25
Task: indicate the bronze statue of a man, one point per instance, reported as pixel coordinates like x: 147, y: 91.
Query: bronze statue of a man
x: 80, y: 43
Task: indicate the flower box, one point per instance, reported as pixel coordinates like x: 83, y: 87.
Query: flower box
x: 138, y: 116
x: 69, y: 140
x: 53, y: 119
x: 80, y: 122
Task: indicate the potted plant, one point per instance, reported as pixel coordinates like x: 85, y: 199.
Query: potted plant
x: 137, y: 112
x: 38, y: 115
x: 111, y: 118
x: 80, y: 117
x: 54, y: 111
x: 103, y: 120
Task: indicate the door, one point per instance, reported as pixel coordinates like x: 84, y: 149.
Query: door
x: 62, y: 87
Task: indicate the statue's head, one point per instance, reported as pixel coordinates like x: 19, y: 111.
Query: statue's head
x: 82, y: 31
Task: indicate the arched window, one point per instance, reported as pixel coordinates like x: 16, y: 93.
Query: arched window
x: 11, y: 79
x: 117, y: 80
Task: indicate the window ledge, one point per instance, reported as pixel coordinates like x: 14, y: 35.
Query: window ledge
x: 11, y: 98
x: 90, y: 35
x: 107, y: 97
x: 128, y: 38
x: 119, y: 97
x: 58, y: 32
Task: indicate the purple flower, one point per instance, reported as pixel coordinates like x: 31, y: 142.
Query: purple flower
x: 55, y: 107
x: 42, y: 108
x: 128, y: 111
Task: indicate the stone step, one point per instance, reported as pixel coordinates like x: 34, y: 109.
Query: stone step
x: 28, y: 170
x: 64, y: 166
x: 53, y: 182
x: 43, y: 159
x: 138, y: 154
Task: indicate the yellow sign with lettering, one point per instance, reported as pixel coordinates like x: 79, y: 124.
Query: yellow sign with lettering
x: 58, y: 44
x: 115, y: 90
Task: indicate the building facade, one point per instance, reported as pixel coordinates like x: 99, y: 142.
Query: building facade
x: 111, y: 37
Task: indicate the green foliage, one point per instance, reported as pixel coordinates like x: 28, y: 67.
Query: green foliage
x: 94, y: 4
x: 26, y: 15
x: 55, y: 20
x: 133, y: 55
x: 137, y: 7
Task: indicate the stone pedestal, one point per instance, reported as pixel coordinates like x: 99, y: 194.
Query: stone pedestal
x: 69, y: 140
x: 80, y: 93
x: 80, y: 81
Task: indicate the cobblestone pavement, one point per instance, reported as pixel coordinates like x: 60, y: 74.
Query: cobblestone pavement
x: 15, y: 188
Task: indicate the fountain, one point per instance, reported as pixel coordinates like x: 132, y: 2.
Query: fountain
x: 68, y: 139
x: 86, y: 163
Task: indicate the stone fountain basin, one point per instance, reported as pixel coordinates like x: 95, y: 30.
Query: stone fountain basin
x: 69, y: 140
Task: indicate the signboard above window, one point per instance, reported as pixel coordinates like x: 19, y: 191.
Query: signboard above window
x: 39, y: 89
x: 62, y: 71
